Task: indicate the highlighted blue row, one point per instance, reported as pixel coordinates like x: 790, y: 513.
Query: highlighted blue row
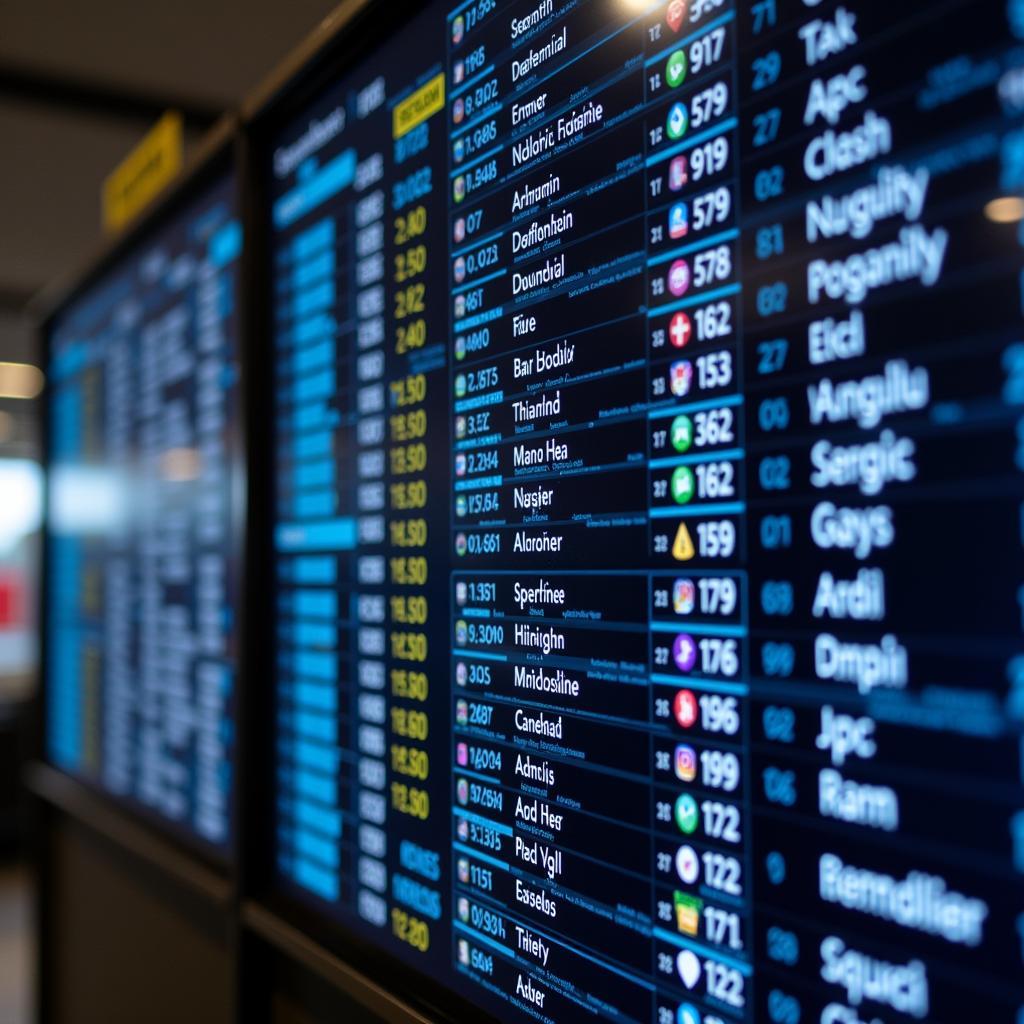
x: 314, y: 328
x: 328, y: 181
x: 314, y: 634
x: 316, y: 603
x: 320, y: 236
x: 314, y: 570
x: 330, y: 535
x: 319, y: 385
x: 315, y: 504
x: 317, y: 665
x: 226, y: 244
x: 314, y: 299
x: 315, y: 727
x: 313, y: 474
x: 320, y: 818
x: 312, y: 357
x: 323, y: 883
x: 320, y: 266
x: 317, y: 696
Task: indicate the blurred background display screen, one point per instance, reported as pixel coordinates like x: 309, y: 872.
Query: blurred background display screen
x: 141, y: 588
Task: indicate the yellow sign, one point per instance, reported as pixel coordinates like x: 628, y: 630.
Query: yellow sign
x: 421, y: 105
x: 144, y: 172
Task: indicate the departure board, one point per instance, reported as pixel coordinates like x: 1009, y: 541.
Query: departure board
x: 141, y: 646
x: 649, y: 526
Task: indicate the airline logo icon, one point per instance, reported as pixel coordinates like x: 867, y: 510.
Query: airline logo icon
x: 688, y: 910
x: 689, y: 969
x: 678, y: 221
x: 682, y: 433
x: 686, y: 814
x: 462, y: 755
x: 687, y: 865
x: 459, y: 111
x: 688, y: 1014
x: 680, y: 330
x: 684, y: 707
x: 678, y: 173
x: 676, y: 15
x: 675, y: 70
x: 684, y: 652
x: 458, y: 30
x: 684, y: 596
x: 681, y: 377
x: 683, y: 485
x: 685, y: 763
x: 678, y: 121
x: 459, y: 72
x: 679, y: 278
x: 682, y: 547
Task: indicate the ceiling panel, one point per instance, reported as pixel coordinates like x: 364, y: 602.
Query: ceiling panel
x: 206, y: 50
x: 51, y: 171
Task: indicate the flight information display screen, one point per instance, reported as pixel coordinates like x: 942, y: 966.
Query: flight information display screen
x: 649, y: 416
x: 143, y: 479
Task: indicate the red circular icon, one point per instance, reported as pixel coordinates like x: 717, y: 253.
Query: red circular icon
x: 679, y: 330
x: 684, y: 707
x: 676, y: 14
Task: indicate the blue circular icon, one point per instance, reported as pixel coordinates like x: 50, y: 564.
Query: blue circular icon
x: 687, y: 1014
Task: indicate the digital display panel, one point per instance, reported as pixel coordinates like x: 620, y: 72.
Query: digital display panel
x: 648, y: 528
x: 141, y: 646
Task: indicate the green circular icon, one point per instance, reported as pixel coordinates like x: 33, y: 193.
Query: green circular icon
x: 682, y: 485
x: 675, y: 69
x: 678, y: 121
x: 682, y: 433
x: 460, y: 386
x: 686, y: 814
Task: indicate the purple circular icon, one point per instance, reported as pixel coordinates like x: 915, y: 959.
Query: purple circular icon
x: 684, y: 652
